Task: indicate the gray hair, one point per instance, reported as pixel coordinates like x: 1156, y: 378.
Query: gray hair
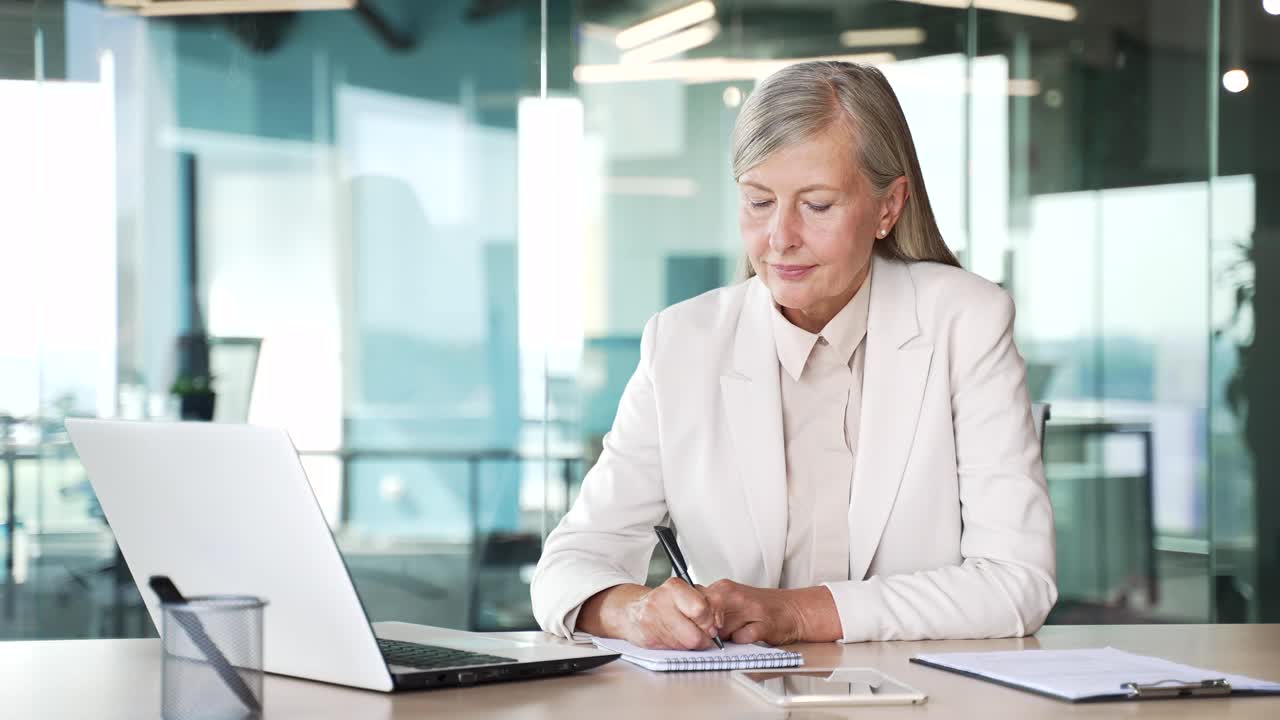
x: 803, y: 100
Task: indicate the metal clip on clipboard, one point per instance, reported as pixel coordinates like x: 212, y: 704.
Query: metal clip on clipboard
x: 1177, y: 688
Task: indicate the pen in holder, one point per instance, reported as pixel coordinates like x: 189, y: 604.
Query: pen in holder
x: 212, y: 661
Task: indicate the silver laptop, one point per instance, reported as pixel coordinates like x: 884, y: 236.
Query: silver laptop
x: 227, y: 509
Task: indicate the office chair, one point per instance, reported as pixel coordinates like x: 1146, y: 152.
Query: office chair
x: 233, y: 362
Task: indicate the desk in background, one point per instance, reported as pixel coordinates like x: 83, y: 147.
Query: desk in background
x: 109, y: 679
x: 1103, y: 520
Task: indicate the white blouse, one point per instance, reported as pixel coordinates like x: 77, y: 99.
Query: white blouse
x: 821, y: 385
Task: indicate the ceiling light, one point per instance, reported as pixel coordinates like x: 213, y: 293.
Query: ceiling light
x: 153, y: 8
x: 696, y: 36
x: 957, y: 4
x: 1066, y: 12
x: 706, y: 70
x: 598, y: 31
x: 1050, y: 9
x: 884, y: 37
x: 650, y: 30
x: 1271, y: 6
x: 1023, y: 87
x: 1235, y: 80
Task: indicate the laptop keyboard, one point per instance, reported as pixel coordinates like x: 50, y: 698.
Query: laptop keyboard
x: 430, y: 657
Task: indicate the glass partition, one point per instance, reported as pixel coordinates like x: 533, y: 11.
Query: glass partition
x: 426, y: 245
x: 1244, y: 214
x: 329, y: 200
x: 1111, y: 160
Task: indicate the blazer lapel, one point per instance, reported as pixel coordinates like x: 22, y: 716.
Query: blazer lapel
x: 894, y: 375
x: 753, y: 407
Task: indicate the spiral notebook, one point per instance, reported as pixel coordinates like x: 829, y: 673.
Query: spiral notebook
x: 732, y: 657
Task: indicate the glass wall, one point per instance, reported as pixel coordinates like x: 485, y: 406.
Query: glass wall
x: 424, y: 238
x: 329, y: 199
x: 1244, y: 236
x: 1076, y: 153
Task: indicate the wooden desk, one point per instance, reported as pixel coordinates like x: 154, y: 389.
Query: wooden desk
x: 109, y: 679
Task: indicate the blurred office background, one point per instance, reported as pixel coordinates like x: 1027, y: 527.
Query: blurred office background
x: 425, y: 236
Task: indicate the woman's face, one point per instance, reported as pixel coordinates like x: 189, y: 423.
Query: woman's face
x: 809, y: 220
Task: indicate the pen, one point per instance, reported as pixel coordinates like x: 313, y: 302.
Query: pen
x: 668, y: 542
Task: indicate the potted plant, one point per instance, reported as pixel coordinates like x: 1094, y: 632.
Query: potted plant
x: 195, y: 396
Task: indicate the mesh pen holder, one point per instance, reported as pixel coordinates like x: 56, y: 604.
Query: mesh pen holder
x: 212, y: 658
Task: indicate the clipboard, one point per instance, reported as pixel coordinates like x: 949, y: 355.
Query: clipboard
x: 1091, y: 675
x: 1166, y: 689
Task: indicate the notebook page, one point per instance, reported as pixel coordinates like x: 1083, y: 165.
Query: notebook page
x: 1079, y: 674
x: 734, y: 655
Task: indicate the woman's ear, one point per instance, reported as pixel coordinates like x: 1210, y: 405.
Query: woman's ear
x: 894, y: 200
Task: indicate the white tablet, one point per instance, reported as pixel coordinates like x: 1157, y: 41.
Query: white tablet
x: 805, y: 687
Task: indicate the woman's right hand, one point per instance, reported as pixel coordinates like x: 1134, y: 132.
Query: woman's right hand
x: 672, y: 616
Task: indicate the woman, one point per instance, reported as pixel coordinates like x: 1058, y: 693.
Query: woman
x: 844, y: 441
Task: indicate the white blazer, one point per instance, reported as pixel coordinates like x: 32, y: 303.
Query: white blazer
x: 950, y: 528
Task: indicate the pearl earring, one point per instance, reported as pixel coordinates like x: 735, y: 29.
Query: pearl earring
x: 881, y: 233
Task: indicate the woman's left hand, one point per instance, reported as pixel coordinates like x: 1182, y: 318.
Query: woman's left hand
x: 748, y: 614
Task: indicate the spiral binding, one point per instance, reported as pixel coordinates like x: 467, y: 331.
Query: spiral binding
x: 740, y: 662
